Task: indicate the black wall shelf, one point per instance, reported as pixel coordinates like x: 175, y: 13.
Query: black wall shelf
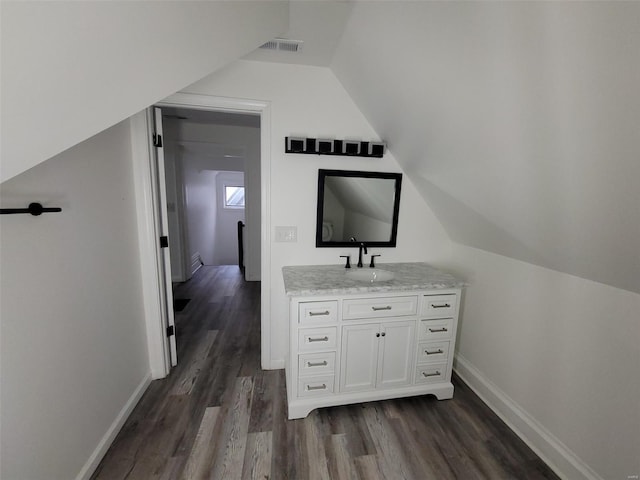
x: 350, y: 148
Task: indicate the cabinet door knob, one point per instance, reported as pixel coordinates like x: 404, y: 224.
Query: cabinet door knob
x: 384, y: 334
x: 377, y: 334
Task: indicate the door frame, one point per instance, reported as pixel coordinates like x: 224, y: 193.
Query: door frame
x: 147, y: 236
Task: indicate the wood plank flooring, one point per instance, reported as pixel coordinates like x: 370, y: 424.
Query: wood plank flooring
x: 218, y: 416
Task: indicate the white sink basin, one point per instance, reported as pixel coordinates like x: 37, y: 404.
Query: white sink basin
x: 370, y: 275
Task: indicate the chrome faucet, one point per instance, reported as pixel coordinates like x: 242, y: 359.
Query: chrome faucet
x: 360, y: 248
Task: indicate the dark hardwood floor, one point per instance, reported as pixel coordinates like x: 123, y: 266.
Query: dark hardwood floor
x: 219, y: 416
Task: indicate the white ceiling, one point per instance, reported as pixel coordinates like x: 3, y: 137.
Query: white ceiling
x: 517, y: 121
x: 319, y: 24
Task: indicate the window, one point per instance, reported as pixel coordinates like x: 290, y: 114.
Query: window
x: 233, y: 196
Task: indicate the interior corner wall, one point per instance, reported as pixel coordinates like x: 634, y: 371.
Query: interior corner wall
x: 309, y: 101
x: 557, y: 356
x: 73, y: 345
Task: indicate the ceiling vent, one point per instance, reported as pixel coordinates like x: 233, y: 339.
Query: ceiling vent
x: 283, y: 45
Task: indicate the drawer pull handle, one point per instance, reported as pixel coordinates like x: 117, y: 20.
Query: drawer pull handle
x: 317, y: 364
x: 427, y: 375
x: 317, y: 387
x: 435, y: 352
x: 321, y: 339
x: 316, y: 314
x: 438, y: 330
x: 377, y: 309
x: 444, y: 305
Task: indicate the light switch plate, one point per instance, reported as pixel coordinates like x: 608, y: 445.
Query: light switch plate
x: 286, y: 234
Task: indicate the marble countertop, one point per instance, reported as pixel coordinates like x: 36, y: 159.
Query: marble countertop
x: 330, y: 279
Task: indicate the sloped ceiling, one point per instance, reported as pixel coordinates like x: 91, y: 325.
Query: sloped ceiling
x: 72, y: 69
x: 373, y: 198
x: 518, y: 122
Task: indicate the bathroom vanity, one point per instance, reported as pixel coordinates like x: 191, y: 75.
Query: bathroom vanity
x: 364, y: 337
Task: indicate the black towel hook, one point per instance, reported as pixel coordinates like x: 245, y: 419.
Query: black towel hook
x: 34, y: 209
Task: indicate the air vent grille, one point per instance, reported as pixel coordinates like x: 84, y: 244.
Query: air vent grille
x: 272, y: 45
x: 283, y: 45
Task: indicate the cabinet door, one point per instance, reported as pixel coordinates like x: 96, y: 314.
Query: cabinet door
x: 359, y: 357
x: 395, y: 362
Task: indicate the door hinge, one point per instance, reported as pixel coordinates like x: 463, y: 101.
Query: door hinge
x: 157, y: 140
x: 171, y: 331
x: 164, y: 242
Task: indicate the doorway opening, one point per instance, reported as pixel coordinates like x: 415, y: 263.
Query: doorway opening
x: 212, y: 180
x: 212, y: 173
x: 223, y: 111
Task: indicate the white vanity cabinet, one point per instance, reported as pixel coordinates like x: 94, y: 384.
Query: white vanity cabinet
x: 369, y: 345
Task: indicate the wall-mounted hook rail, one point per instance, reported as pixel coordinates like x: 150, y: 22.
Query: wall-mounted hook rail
x: 34, y: 209
x: 353, y: 148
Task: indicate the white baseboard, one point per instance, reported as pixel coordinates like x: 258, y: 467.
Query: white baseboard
x: 553, y: 452
x: 106, y: 441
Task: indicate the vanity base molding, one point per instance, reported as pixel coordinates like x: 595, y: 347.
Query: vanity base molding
x: 369, y: 346
x: 300, y: 408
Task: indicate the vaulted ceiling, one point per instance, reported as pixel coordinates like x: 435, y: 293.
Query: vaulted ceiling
x: 519, y: 122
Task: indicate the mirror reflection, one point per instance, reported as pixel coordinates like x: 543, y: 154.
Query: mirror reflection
x: 357, y: 207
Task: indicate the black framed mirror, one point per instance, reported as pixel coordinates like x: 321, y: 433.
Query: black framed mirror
x: 357, y: 207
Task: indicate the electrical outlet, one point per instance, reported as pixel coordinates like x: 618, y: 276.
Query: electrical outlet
x: 286, y: 234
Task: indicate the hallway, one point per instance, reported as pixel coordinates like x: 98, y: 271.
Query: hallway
x: 219, y: 416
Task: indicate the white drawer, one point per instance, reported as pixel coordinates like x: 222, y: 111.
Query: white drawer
x: 379, y: 307
x: 438, y: 306
x: 313, y: 339
x: 316, y: 363
x: 314, y: 313
x: 431, y: 373
x: 433, y: 352
x: 437, y: 329
x: 315, y: 386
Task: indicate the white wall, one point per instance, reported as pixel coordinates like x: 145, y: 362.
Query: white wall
x: 564, y: 351
x: 73, y: 346
x: 309, y: 101
x: 226, y: 249
x: 80, y: 67
x: 200, y: 208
